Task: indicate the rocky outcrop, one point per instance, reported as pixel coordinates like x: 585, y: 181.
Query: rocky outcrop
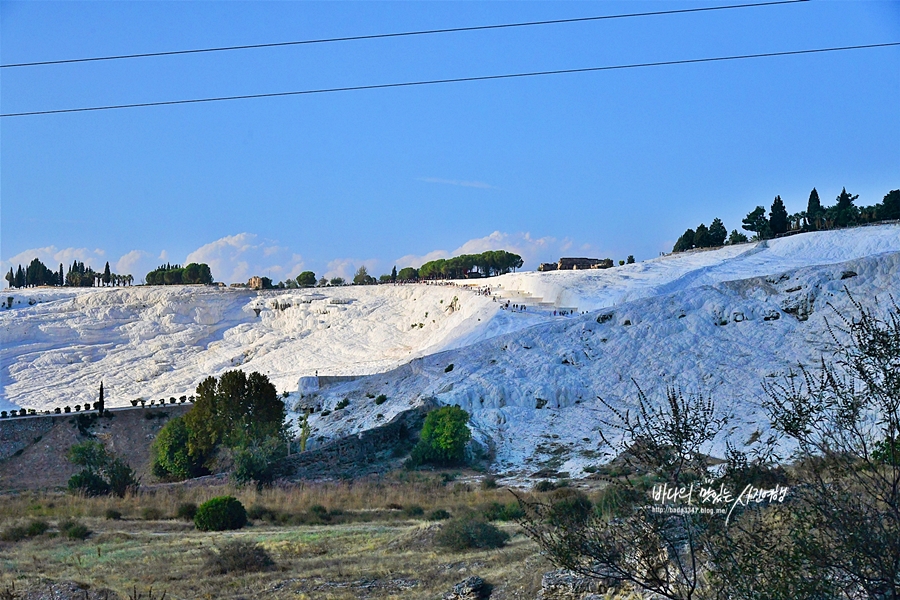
x: 566, y: 585
x: 472, y: 588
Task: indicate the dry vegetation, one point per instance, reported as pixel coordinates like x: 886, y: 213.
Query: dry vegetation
x: 370, y: 541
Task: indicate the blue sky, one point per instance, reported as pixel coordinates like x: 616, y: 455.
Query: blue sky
x: 598, y: 164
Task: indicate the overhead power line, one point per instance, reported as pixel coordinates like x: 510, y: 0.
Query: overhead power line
x: 380, y: 86
x: 399, y: 34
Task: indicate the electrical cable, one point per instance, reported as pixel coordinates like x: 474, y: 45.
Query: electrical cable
x: 399, y: 34
x: 452, y: 80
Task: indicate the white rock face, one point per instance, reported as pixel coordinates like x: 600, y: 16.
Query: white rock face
x: 716, y: 322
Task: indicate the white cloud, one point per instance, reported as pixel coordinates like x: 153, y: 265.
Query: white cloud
x: 533, y: 250
x: 236, y: 258
x: 472, y: 184
x: 136, y: 262
x: 347, y: 267
x: 52, y: 256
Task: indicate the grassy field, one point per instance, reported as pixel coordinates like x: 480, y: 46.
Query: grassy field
x: 365, y: 539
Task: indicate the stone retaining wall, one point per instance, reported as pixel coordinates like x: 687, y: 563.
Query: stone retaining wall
x: 367, y: 452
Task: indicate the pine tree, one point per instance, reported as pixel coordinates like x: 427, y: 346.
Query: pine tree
x: 717, y: 233
x: 778, y: 217
x: 736, y: 237
x: 756, y: 221
x: 814, y: 211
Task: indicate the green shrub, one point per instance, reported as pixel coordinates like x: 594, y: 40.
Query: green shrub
x: 220, y: 514
x: 448, y: 368
x: 112, y: 514
x: 238, y: 557
x: 443, y: 438
x: 616, y: 501
x: 502, y: 512
x: 544, y: 486
x: 102, y: 472
x: 255, y: 462
x: 186, y: 511
x: 88, y: 483
x: 470, y: 533
x: 259, y: 512
x: 380, y: 399
x: 37, y: 527
x: 438, y: 515
x: 14, y: 534
x: 413, y: 510
x: 570, y: 506
x: 489, y: 483
x: 74, y: 530
x: 151, y: 513
x: 342, y: 404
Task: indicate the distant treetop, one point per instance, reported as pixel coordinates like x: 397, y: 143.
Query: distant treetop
x: 176, y: 274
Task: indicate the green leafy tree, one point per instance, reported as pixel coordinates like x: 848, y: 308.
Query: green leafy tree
x: 306, y: 279
x: 337, y: 281
x: 756, y: 221
x: 171, y: 456
x: 717, y: 233
x: 629, y: 260
x: 362, y: 277
x: 408, y: 274
x: 241, y: 413
x: 102, y: 473
x: 443, y: 438
x: 778, y: 217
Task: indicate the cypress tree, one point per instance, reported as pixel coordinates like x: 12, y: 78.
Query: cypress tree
x: 394, y: 271
x: 11, y: 278
x: 814, y: 211
x: 107, y: 275
x: 778, y: 217
x: 100, y: 402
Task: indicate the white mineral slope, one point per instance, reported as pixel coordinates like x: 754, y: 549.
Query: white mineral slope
x: 158, y: 342
x: 594, y: 289
x: 533, y: 394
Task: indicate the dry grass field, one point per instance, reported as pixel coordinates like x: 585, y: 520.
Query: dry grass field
x: 364, y: 539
